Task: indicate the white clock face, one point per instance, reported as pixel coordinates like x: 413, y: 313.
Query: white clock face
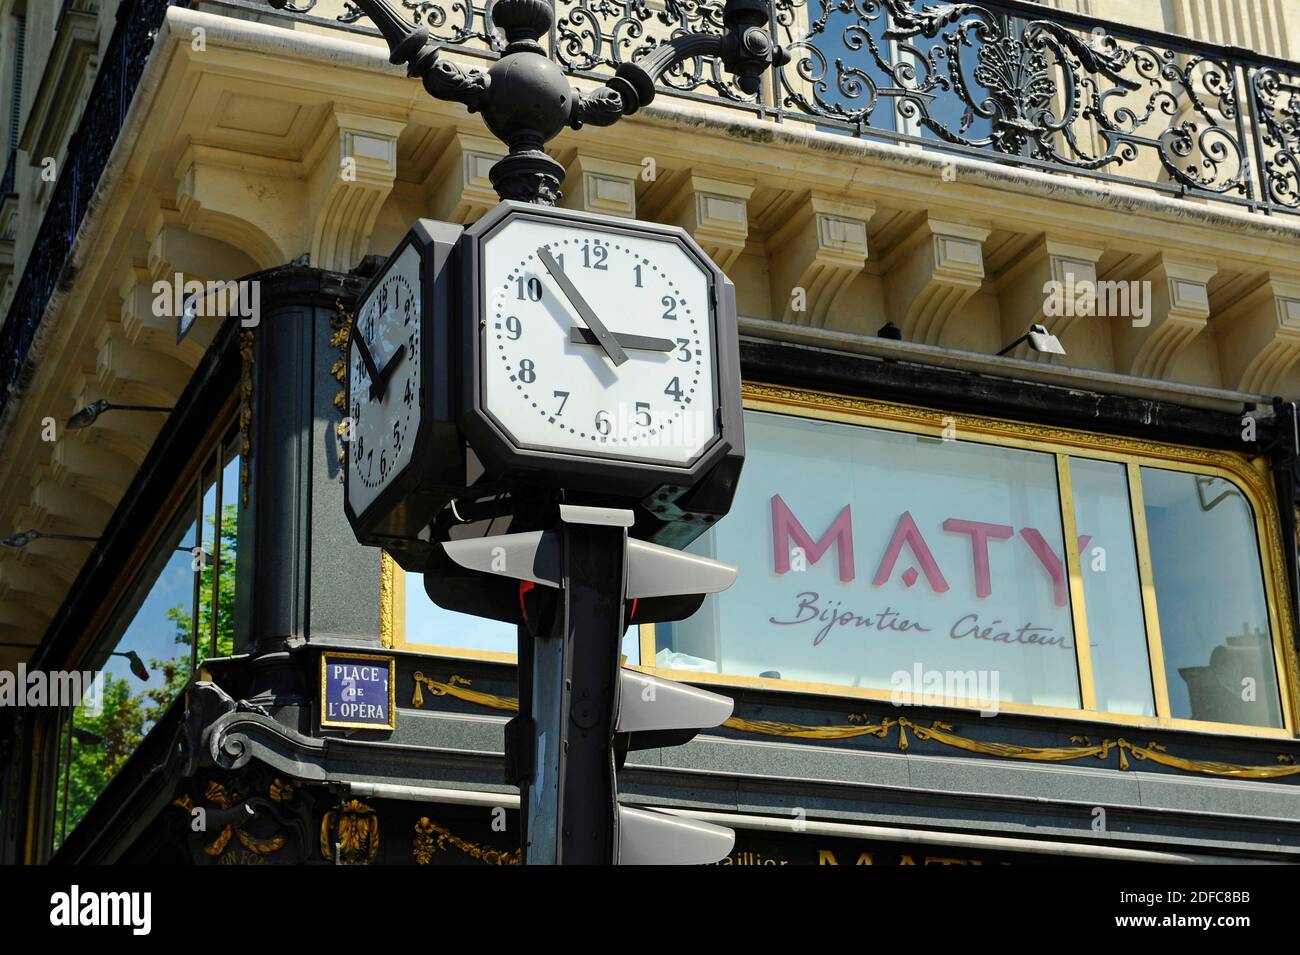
x: 384, y: 381
x: 549, y: 381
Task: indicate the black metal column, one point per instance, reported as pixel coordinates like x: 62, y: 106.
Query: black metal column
x: 595, y: 579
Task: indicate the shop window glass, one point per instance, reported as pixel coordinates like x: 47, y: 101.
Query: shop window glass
x: 873, y: 558
x: 1214, y: 620
x: 428, y: 626
x: 866, y: 554
x: 150, y: 650
x: 1112, y: 587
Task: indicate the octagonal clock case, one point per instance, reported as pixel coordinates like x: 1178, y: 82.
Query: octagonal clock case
x: 404, y: 457
x: 603, y: 359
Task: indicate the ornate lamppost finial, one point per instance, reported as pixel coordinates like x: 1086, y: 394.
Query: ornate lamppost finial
x: 525, y: 98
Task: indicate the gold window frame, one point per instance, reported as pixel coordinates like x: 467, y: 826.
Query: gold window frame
x: 1249, y: 475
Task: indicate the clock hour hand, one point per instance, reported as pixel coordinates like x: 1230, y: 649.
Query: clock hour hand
x: 368, y: 360
x: 379, y: 384
x: 585, y: 336
x: 603, y: 337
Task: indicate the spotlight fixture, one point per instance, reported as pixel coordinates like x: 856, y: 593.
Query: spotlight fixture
x: 88, y: 415
x: 1040, y: 340
x: 23, y: 538
x: 138, y: 668
x: 890, y: 331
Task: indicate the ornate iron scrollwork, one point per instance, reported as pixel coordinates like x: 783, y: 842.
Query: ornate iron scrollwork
x: 1276, y: 95
x: 1048, y: 91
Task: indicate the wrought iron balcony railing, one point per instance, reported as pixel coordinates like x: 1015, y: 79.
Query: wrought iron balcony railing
x: 1002, y: 80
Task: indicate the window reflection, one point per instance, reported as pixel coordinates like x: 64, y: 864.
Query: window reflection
x: 1112, y: 588
x: 430, y: 627
x: 153, y: 643
x: 1213, y: 611
x: 866, y: 553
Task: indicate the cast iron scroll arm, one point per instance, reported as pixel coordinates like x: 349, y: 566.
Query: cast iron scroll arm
x: 526, y: 99
x: 746, y: 50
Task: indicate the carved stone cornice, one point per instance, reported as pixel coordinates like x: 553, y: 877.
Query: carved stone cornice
x: 597, y: 184
x: 352, y: 169
x: 814, y: 255
x: 458, y: 187
x: 1258, y: 336
x: 1178, y: 304
x: 1024, y: 287
x: 714, y: 211
x: 931, y: 274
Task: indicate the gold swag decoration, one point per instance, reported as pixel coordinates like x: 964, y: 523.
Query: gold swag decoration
x: 431, y: 837
x: 859, y: 725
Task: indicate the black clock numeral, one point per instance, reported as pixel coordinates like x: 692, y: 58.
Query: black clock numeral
x: 397, y: 437
x: 407, y: 307
x: 564, y: 400
x: 527, y: 371
x: 408, y: 395
x: 593, y: 257
x: 361, y: 447
x: 513, y: 328
x: 670, y: 307
x: 383, y: 464
x: 684, y: 349
x: 643, y: 413
x: 637, y: 270
x: 602, y: 422
x: 532, y: 287
x: 674, y: 389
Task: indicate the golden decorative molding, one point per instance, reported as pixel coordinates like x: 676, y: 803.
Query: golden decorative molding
x: 938, y: 732
x: 281, y: 791
x: 245, y: 411
x: 219, y: 796
x: 357, y: 832
x: 457, y: 686
x: 387, y: 602
x: 431, y: 837
x: 341, y: 323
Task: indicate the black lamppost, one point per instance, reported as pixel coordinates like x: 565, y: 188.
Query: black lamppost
x: 526, y: 99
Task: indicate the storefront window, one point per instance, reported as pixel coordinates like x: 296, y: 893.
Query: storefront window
x: 889, y: 556
x: 889, y: 553
x: 426, y: 626
x: 1112, y: 587
x: 1213, y: 611
x: 893, y: 562
x: 180, y: 613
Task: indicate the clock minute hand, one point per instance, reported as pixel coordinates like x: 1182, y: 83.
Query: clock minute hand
x: 585, y: 336
x: 606, y: 341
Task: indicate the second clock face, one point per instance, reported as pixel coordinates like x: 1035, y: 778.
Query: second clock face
x: 384, y: 380
x: 548, y: 379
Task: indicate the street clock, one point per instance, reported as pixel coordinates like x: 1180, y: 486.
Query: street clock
x: 602, y: 355
x: 403, y: 458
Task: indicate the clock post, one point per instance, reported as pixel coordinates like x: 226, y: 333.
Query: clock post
x: 578, y: 375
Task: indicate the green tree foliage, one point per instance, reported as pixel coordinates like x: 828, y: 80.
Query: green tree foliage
x: 101, y: 744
